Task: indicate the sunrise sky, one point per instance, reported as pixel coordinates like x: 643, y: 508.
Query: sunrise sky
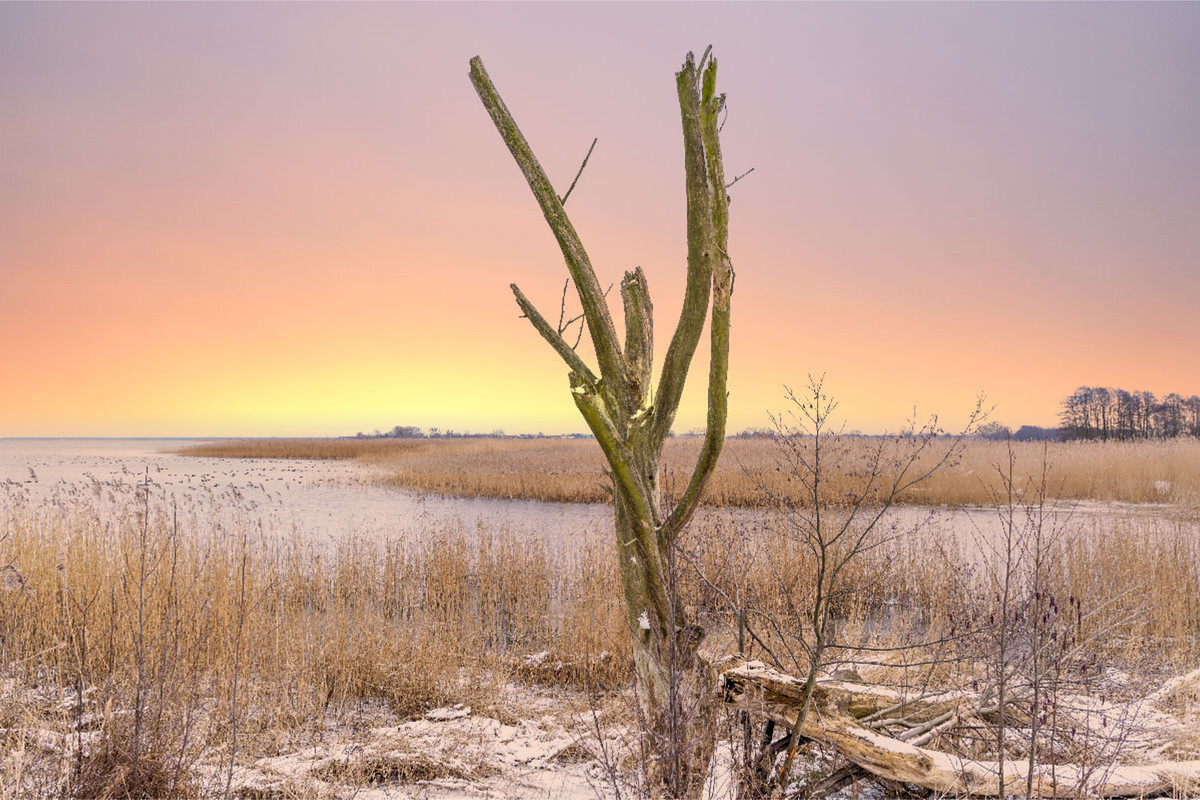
x: 281, y: 219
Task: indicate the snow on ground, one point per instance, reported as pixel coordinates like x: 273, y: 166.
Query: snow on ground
x: 530, y: 742
x: 449, y: 756
x: 453, y: 753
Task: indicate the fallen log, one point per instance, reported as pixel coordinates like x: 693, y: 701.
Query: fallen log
x: 833, y: 720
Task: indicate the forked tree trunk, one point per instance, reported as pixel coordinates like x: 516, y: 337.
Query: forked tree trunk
x: 631, y: 423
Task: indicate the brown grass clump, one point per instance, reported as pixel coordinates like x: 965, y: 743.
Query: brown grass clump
x: 113, y: 770
x: 380, y: 770
x: 564, y: 470
x: 1150, y: 577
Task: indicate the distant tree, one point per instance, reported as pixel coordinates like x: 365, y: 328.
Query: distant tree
x: 1192, y: 406
x: 1102, y: 410
x: 406, y: 432
x: 1146, y: 402
x: 1076, y: 422
x: 1103, y: 413
x: 1034, y: 433
x: 1126, y: 420
x: 994, y: 431
x: 1170, y: 416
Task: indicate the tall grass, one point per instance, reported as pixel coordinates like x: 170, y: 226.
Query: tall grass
x: 572, y: 470
x: 147, y: 644
x: 306, y: 449
x: 1138, y: 580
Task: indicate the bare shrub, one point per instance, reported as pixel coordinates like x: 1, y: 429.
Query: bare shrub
x: 117, y: 767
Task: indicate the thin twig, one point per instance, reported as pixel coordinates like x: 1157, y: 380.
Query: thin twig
x: 739, y: 177
x: 577, y: 174
x: 562, y: 310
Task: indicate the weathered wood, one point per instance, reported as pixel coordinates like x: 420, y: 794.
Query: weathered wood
x: 701, y: 250
x: 553, y: 337
x: 591, y: 297
x: 639, y: 333
x: 834, y: 721
x: 722, y: 290
x: 673, y: 681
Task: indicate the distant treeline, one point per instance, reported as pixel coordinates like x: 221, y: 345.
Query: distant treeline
x: 996, y: 432
x: 1100, y: 412
x: 1091, y: 412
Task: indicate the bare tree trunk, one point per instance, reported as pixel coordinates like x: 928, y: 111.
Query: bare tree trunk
x: 631, y: 424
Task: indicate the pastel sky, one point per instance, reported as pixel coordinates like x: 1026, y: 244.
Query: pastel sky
x: 297, y: 219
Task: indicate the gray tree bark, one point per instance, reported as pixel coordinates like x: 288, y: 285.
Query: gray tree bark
x: 631, y: 423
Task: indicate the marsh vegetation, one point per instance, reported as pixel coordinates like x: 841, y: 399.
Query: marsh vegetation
x: 571, y: 470
x: 150, y: 644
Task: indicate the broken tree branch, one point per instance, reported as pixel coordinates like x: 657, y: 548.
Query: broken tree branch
x: 595, y: 308
x: 835, y: 721
x: 639, y: 331
x: 564, y: 350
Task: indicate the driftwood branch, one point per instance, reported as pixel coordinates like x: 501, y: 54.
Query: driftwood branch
x: 836, y: 721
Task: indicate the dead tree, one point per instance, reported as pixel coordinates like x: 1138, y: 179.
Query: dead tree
x: 631, y: 422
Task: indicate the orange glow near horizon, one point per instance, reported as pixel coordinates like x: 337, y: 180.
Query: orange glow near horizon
x: 297, y: 220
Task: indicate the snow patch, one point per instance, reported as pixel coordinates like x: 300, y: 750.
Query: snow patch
x: 536, y: 659
x: 457, y: 711
x: 886, y: 742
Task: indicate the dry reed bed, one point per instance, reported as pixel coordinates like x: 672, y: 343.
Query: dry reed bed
x: 557, y: 470
x: 155, y: 640
x: 1136, y: 583
x: 160, y: 644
